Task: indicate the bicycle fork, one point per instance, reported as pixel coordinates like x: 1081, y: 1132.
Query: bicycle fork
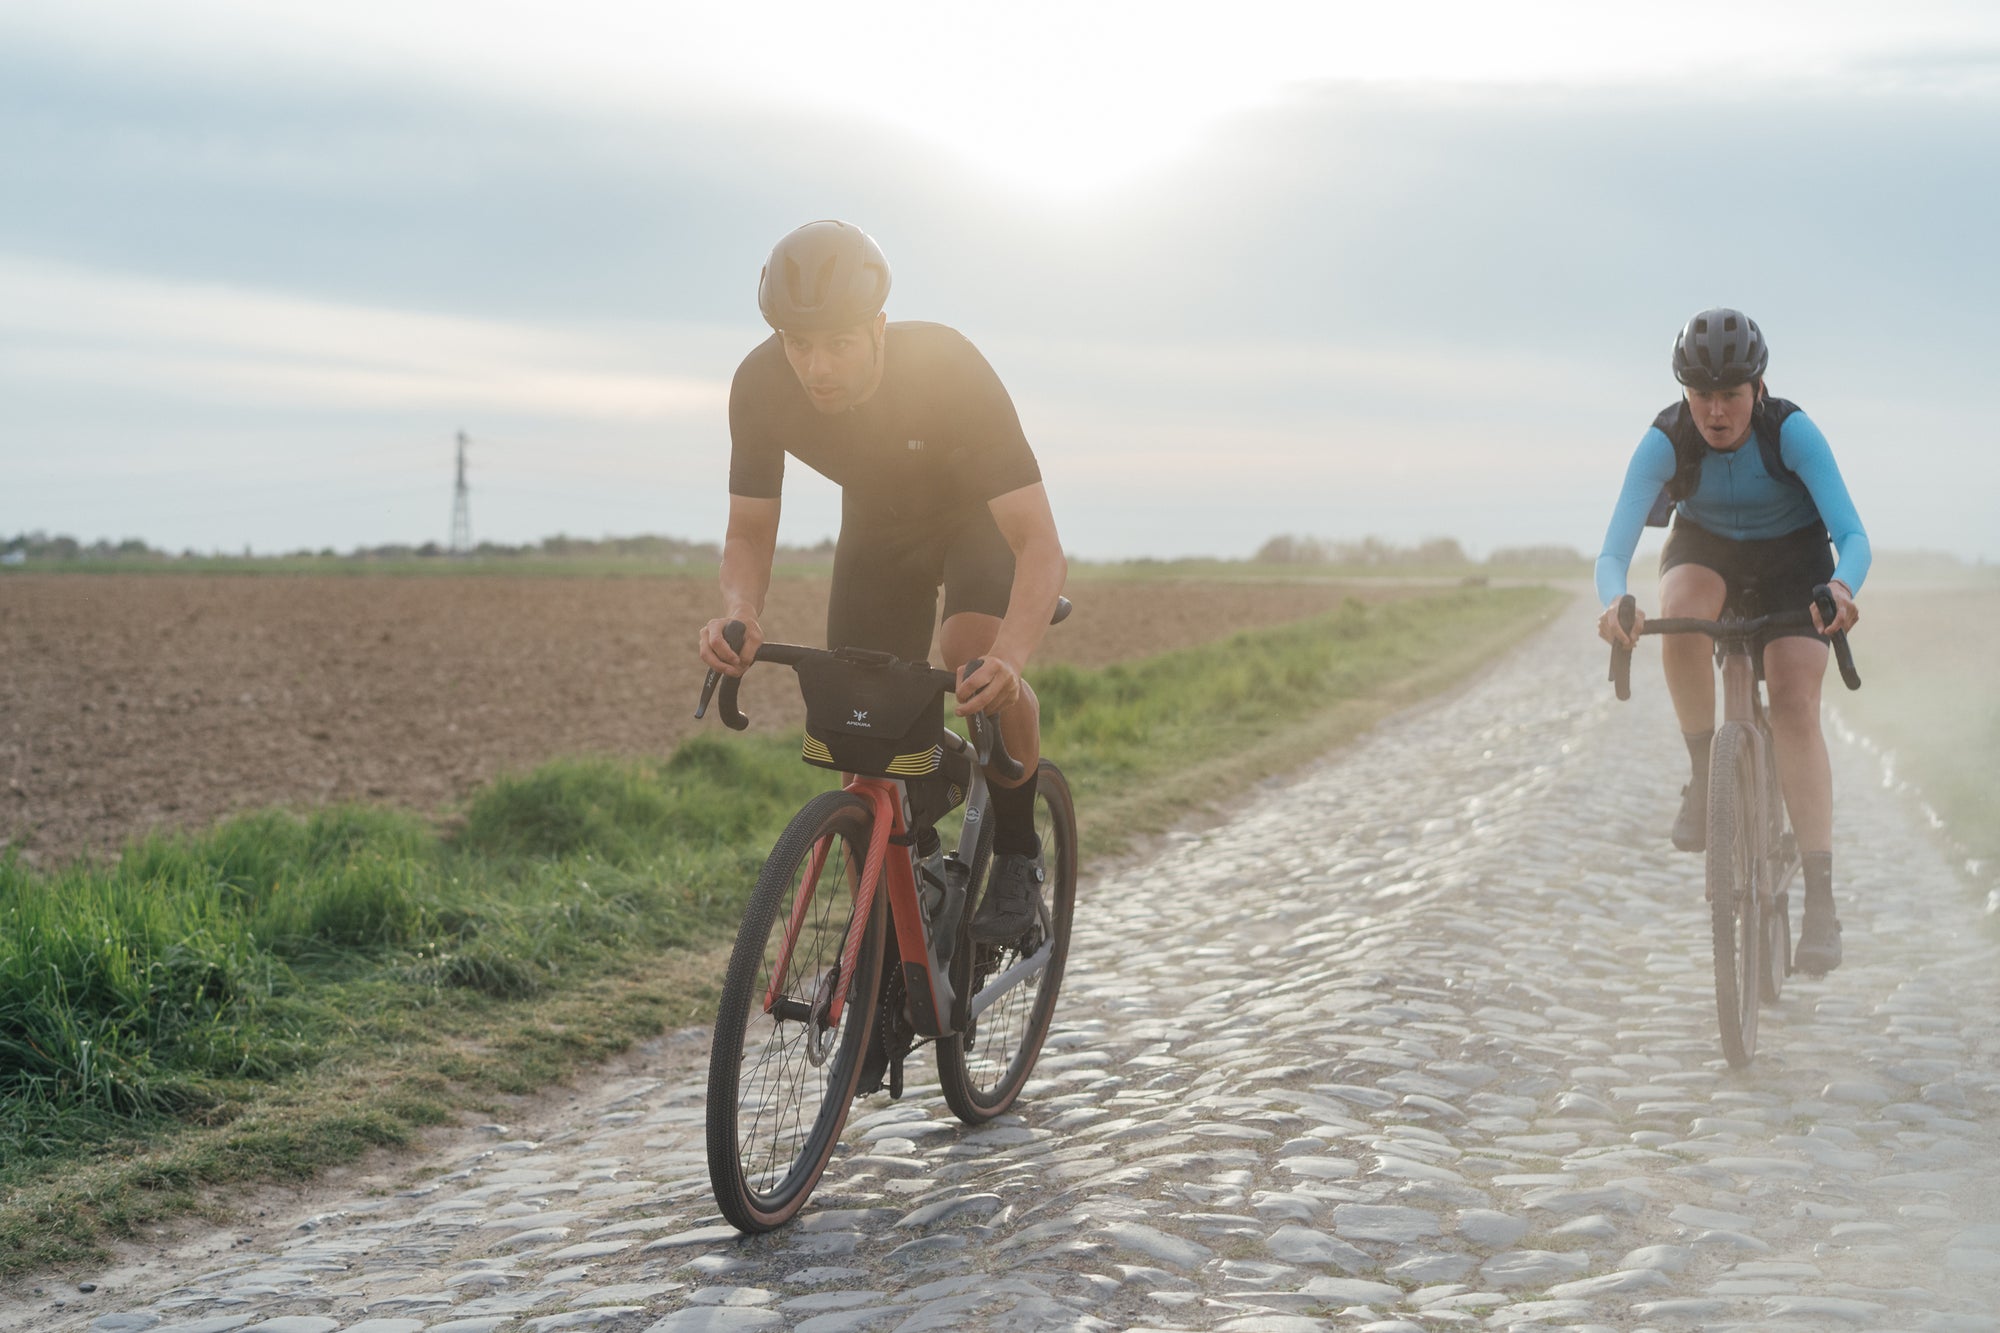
x: 926, y: 982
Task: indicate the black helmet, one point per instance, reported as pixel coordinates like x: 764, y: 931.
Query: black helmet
x: 825, y: 275
x: 1720, y: 349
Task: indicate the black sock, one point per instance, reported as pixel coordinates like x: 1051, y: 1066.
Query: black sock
x: 1013, y: 818
x: 1819, y: 876
x: 1698, y: 751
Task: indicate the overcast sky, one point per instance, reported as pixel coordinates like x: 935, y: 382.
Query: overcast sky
x: 1245, y: 271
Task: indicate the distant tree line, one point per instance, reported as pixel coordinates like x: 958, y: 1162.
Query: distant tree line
x: 1375, y: 553
x: 39, y: 546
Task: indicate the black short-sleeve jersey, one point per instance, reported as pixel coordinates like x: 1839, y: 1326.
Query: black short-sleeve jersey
x: 938, y: 436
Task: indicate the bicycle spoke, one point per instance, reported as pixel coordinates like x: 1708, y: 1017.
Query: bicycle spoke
x: 779, y: 1080
x: 984, y: 1068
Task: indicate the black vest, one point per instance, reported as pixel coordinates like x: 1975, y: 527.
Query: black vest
x: 1690, y: 448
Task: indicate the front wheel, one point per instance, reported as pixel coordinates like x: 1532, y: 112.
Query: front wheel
x: 982, y: 1069
x: 1735, y: 896
x: 783, y: 1068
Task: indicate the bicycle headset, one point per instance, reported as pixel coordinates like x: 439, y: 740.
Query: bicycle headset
x: 1720, y: 349
x: 825, y: 275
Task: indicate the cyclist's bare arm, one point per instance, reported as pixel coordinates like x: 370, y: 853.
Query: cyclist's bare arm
x: 747, y: 552
x: 1024, y: 519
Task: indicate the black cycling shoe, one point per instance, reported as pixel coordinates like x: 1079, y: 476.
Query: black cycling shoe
x: 1013, y: 892
x: 1818, y: 951
x: 1691, y: 824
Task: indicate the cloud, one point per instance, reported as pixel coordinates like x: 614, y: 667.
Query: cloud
x: 1412, y: 309
x: 230, y: 347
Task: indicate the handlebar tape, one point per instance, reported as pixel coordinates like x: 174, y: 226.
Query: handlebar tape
x: 1842, y: 654
x: 1621, y: 657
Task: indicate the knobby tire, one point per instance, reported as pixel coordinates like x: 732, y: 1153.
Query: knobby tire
x: 1735, y: 901
x: 774, y: 1117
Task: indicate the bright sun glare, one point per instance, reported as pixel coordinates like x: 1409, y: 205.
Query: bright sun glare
x: 1064, y: 97
x: 1056, y: 98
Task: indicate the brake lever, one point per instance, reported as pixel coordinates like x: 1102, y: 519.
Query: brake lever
x: 988, y: 745
x: 732, y: 634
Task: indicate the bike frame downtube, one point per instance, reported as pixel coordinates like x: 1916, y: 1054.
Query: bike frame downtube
x: 884, y: 819
x: 929, y: 989
x: 929, y: 993
x: 1739, y: 685
x: 1742, y: 705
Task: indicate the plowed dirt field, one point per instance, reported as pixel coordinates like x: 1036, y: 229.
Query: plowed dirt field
x: 130, y: 702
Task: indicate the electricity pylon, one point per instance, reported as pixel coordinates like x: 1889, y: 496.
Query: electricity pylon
x: 461, y: 507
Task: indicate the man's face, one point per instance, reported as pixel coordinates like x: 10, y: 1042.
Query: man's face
x: 839, y: 369
x: 1723, y: 414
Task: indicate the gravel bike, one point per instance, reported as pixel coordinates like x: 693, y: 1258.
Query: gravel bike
x: 1752, y: 855
x: 856, y: 943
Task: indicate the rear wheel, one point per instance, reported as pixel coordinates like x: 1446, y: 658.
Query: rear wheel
x: 1736, y: 918
x: 783, y: 1068
x: 982, y: 1069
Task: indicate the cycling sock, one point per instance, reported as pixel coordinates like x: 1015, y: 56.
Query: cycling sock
x: 1819, y: 877
x: 1698, y: 751
x: 1014, y: 819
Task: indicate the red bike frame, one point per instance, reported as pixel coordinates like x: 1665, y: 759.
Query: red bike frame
x: 929, y: 991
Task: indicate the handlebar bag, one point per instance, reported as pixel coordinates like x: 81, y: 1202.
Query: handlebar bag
x: 882, y: 721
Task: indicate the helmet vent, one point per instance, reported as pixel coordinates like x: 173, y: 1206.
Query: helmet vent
x: 1719, y: 349
x: 825, y: 275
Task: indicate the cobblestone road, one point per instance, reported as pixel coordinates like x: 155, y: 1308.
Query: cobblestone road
x: 1424, y: 1040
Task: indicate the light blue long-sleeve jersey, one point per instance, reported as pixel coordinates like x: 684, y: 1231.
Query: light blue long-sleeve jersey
x: 1738, y: 499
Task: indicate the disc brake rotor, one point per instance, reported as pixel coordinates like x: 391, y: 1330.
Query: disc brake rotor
x: 819, y: 1027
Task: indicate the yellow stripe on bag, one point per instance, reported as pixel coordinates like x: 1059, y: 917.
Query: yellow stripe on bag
x: 916, y: 765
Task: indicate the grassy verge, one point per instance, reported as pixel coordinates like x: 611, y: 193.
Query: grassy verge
x: 1928, y: 698
x: 281, y: 994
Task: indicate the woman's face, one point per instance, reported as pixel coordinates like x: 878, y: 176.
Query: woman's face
x: 1723, y: 414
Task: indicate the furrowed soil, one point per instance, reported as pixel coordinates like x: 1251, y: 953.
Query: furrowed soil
x: 137, y: 702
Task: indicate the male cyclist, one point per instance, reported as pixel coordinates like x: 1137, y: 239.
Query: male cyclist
x: 938, y: 488
x: 1756, y: 497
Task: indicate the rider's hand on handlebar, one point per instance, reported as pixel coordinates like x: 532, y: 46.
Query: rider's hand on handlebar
x: 1609, y: 630
x: 995, y: 686
x: 719, y: 656
x: 1846, y: 613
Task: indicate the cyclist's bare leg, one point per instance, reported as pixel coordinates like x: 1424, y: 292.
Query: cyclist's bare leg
x: 1793, y: 670
x: 1698, y: 592
x: 970, y: 634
